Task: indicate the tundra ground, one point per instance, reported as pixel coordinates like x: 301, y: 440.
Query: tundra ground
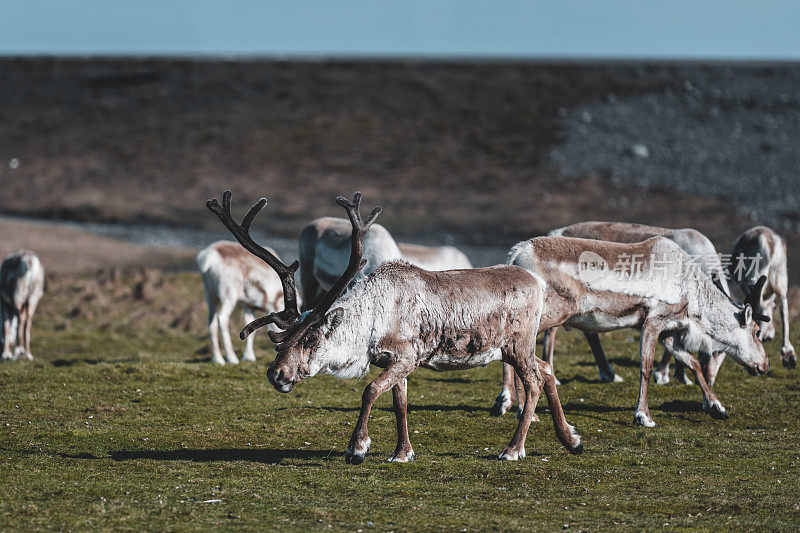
x: 121, y: 423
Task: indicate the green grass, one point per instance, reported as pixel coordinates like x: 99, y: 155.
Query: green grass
x: 120, y: 423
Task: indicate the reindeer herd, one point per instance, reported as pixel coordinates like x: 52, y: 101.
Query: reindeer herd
x: 368, y: 300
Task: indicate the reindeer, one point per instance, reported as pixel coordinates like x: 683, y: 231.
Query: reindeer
x: 587, y: 289
x: 399, y: 318
x: 324, y: 247
x: 21, y: 288
x: 231, y: 275
x: 690, y: 240
x: 758, y: 252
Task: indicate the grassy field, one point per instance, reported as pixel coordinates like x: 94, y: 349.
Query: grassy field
x: 121, y: 423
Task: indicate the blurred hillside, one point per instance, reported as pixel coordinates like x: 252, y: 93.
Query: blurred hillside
x: 471, y: 152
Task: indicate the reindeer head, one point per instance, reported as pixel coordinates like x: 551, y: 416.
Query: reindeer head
x: 298, y: 345
x: 743, y: 343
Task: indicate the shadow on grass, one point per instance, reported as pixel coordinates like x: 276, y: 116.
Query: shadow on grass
x: 88, y: 361
x: 411, y: 408
x: 255, y: 455
x: 616, y: 361
x: 680, y: 406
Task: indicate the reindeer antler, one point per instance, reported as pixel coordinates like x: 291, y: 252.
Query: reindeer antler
x: 356, y: 263
x: 753, y: 298
x: 290, y: 313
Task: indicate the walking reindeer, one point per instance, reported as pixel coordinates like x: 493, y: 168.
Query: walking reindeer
x: 694, y: 243
x: 584, y: 290
x: 759, y: 252
x: 402, y: 317
x: 325, y: 247
x: 231, y: 275
x: 21, y: 288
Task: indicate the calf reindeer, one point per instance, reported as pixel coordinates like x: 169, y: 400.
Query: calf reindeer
x: 402, y: 317
x: 325, y: 247
x: 758, y: 252
x: 231, y: 275
x: 690, y: 240
x: 587, y: 289
x: 21, y: 288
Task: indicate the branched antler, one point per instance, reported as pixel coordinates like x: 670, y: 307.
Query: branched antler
x: 289, y: 318
x: 753, y: 298
x: 290, y: 313
x: 356, y: 263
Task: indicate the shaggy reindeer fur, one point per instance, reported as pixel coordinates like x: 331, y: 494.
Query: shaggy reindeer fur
x: 771, y: 248
x: 231, y: 276
x: 402, y: 317
x: 661, y: 301
x: 690, y: 240
x: 21, y: 288
x: 325, y: 247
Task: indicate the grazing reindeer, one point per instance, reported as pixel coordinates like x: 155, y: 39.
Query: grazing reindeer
x: 21, y: 288
x: 690, y: 240
x: 686, y: 312
x: 231, y: 275
x: 402, y: 317
x: 325, y: 247
x: 758, y: 252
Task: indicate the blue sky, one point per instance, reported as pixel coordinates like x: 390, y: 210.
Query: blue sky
x: 725, y: 29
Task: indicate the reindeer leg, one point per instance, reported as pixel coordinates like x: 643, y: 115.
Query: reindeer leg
x: 647, y: 348
x: 711, y: 367
x: 403, y: 453
x: 8, y: 334
x: 28, y: 326
x: 711, y: 405
x: 249, y: 353
x: 213, y: 331
x: 224, y: 319
x: 522, y: 397
x: 527, y: 372
x: 680, y: 373
x: 23, y: 320
x: 788, y: 357
x: 661, y: 373
x: 607, y: 374
x: 360, y: 441
x: 503, y: 401
x: 566, y: 434
x: 549, y: 347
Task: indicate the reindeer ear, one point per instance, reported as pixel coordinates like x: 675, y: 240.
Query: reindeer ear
x: 334, y: 318
x: 746, y: 316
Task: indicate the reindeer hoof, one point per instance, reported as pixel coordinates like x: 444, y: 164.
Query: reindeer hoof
x: 613, y: 378
x: 355, y: 455
x: 715, y: 410
x: 577, y: 450
x: 501, y: 405
x: 686, y: 380
x: 352, y: 459
x: 661, y: 378
x: 789, y: 359
x: 643, y: 419
x: 510, y: 454
x: 402, y: 457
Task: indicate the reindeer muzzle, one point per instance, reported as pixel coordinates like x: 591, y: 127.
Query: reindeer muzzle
x: 279, y: 381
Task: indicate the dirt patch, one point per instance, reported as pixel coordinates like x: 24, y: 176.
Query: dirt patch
x: 64, y: 250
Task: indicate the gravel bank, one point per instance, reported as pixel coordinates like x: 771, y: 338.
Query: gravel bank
x: 730, y: 133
